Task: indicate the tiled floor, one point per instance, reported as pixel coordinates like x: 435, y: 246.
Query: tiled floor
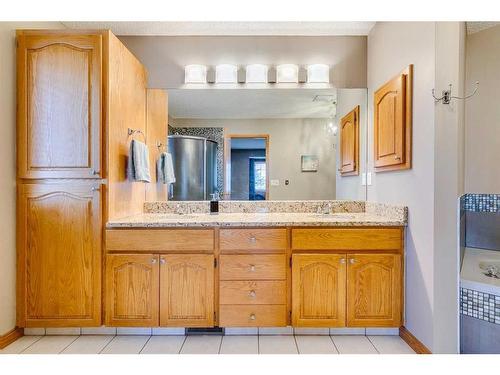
x: 263, y: 344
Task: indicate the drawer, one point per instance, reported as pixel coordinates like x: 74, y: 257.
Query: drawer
x: 201, y: 240
x: 252, y: 267
x: 252, y: 292
x: 347, y: 239
x: 253, y: 240
x: 252, y: 316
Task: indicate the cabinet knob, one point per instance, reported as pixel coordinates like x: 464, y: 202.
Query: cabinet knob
x: 162, y: 261
x: 252, y: 316
x: 397, y: 157
x: 252, y: 293
x: 352, y: 260
x: 253, y: 239
x: 153, y: 261
x: 94, y: 172
x: 342, y: 260
x: 95, y: 188
x: 252, y: 267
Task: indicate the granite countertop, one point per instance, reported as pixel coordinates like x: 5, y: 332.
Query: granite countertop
x: 256, y: 219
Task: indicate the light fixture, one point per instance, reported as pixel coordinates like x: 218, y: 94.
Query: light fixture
x: 318, y: 73
x: 287, y: 73
x: 256, y: 73
x: 195, y: 73
x: 226, y: 73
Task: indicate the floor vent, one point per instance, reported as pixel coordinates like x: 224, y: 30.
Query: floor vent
x: 204, y: 331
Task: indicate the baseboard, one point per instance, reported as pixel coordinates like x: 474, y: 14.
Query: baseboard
x: 11, y: 336
x: 413, y: 342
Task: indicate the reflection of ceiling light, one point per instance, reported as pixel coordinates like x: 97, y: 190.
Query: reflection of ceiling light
x: 287, y: 73
x: 226, y: 73
x: 318, y: 73
x: 195, y: 74
x: 256, y: 73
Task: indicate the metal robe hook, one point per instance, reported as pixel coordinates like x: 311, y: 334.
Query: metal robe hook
x: 447, y: 96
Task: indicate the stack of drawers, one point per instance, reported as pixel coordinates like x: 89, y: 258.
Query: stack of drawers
x: 253, y: 268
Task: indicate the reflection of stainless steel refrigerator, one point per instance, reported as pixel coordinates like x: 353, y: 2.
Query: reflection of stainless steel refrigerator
x: 195, y: 167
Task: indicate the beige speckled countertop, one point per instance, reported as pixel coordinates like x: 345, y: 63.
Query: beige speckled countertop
x: 160, y: 220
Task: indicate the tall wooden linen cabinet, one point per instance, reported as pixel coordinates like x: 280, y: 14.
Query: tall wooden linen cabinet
x: 77, y: 92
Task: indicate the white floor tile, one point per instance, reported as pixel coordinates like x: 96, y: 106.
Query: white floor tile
x: 276, y: 331
x: 315, y: 345
x: 354, y: 345
x: 99, y: 331
x: 176, y: 331
x: 347, y: 331
x: 140, y: 331
x: 312, y: 331
x: 163, y: 345
x: 241, y: 331
x: 390, y: 345
x: 88, y: 344
x: 277, y: 345
x: 20, y: 344
x: 72, y: 331
x: 240, y: 345
x: 126, y: 345
x: 382, y: 332
x: 50, y: 345
x: 201, y: 345
x: 34, y: 332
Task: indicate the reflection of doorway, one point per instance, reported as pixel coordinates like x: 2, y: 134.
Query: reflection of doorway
x: 246, y: 167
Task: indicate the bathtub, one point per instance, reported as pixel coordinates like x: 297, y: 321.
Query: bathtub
x: 474, y: 267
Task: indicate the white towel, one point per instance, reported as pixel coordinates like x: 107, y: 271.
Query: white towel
x: 165, y: 169
x: 138, y: 162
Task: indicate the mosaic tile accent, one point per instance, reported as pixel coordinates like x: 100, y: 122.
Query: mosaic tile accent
x: 214, y: 134
x: 481, y: 202
x: 479, y: 305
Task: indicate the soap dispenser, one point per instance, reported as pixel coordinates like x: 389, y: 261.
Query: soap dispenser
x: 214, y: 204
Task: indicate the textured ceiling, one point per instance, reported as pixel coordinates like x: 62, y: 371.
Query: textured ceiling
x: 474, y: 27
x: 248, y: 103
x: 228, y: 28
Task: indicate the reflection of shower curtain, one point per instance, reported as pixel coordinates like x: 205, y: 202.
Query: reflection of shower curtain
x: 257, y: 179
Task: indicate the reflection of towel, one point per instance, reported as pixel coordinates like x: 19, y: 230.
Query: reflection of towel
x: 138, y: 162
x: 165, y: 169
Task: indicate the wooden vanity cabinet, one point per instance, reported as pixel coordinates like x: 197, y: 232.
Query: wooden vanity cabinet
x: 337, y: 286
x: 162, y: 280
x: 392, y: 123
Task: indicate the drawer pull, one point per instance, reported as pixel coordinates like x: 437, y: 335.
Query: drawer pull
x: 252, y: 316
x: 162, y: 261
x: 352, y: 260
x: 252, y: 294
x: 153, y: 261
x: 253, y: 239
x: 342, y: 260
x: 252, y: 267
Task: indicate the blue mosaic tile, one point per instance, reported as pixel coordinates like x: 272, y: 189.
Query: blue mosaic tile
x: 479, y: 305
x: 480, y: 202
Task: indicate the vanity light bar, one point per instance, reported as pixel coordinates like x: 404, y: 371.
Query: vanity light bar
x: 257, y: 73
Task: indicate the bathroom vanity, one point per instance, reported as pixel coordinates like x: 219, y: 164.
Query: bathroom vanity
x: 249, y: 269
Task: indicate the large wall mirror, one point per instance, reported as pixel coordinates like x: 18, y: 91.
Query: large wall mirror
x: 268, y: 144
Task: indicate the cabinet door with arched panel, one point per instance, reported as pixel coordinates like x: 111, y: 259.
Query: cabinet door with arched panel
x: 318, y: 290
x: 59, y: 105
x: 374, y: 296
x: 187, y: 290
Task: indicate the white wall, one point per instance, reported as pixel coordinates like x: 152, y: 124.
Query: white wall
x: 166, y: 56
x: 350, y: 187
x: 449, y: 184
x: 288, y: 140
x: 483, y: 112
x: 8, y: 168
x: 431, y: 187
x: 392, y: 46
